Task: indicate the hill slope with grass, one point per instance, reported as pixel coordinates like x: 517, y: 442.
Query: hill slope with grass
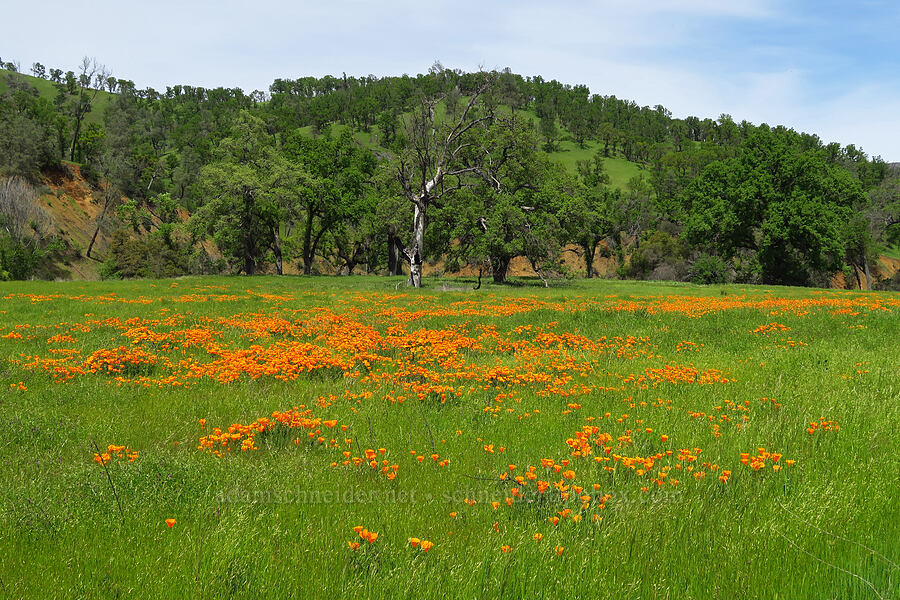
x: 49, y: 90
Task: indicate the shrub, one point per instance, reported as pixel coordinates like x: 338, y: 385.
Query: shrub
x: 891, y: 284
x: 660, y: 256
x: 143, y: 257
x: 709, y: 269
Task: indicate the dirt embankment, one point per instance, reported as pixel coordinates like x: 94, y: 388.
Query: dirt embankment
x: 883, y: 269
x: 73, y: 208
x: 572, y: 259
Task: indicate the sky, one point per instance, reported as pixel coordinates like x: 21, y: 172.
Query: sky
x: 824, y: 67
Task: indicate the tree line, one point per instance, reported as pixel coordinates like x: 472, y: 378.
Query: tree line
x: 350, y: 174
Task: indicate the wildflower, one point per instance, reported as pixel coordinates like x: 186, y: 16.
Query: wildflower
x: 426, y: 545
x: 538, y: 536
x: 170, y: 523
x: 559, y: 550
x: 414, y: 542
x: 353, y: 545
x: 505, y: 548
x: 369, y: 536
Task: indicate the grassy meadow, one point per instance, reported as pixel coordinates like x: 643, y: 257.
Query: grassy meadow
x: 600, y: 439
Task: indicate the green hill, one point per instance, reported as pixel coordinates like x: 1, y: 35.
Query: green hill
x: 47, y: 89
x: 568, y: 154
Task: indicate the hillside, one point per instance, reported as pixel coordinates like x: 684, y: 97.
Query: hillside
x: 315, y: 177
x: 47, y: 89
x: 568, y: 154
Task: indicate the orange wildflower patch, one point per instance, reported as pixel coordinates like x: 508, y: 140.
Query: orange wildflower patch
x: 822, y: 425
x: 115, y: 452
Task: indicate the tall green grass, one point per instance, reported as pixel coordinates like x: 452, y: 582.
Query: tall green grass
x: 275, y: 523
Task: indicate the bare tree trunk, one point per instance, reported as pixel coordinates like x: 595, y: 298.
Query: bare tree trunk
x: 414, y: 252
x: 276, y: 236
x: 395, y: 266
x: 307, y: 245
x: 589, y: 252
x: 540, y: 274
x: 78, y: 118
x: 106, y: 203
x: 499, y: 268
x: 868, y: 273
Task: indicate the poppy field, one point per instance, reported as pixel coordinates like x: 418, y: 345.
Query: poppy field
x: 348, y: 437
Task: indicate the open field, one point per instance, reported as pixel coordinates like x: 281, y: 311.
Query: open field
x: 603, y: 439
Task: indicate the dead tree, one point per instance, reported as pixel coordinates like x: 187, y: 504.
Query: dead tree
x: 437, y: 159
x: 91, y: 80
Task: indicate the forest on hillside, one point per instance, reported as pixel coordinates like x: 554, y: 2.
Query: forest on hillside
x: 475, y: 170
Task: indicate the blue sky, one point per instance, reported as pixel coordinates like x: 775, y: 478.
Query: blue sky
x: 830, y: 68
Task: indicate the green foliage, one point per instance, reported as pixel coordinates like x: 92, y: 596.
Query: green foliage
x: 777, y: 205
x: 91, y: 141
x: 17, y: 260
x: 891, y: 283
x: 329, y: 197
x: 660, y: 256
x: 785, y: 204
x: 28, y: 129
x: 151, y: 257
x: 708, y: 269
x: 26, y: 241
x: 516, y: 214
x: 245, y: 193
